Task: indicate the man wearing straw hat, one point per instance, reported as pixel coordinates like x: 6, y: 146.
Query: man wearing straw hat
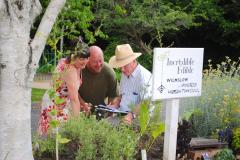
x: 135, y: 83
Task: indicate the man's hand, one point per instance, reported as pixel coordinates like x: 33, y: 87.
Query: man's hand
x: 115, y: 103
x: 128, y: 118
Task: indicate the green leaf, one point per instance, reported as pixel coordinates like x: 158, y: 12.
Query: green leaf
x: 157, y: 130
x: 63, y: 140
x: 144, y: 117
x: 58, y: 100
x: 51, y: 93
x: 53, y: 112
x: 119, y: 10
x: 187, y: 115
x: 54, y: 123
x: 58, y: 136
x: 156, y: 111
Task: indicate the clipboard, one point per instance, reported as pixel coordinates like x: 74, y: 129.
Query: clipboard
x: 110, y: 109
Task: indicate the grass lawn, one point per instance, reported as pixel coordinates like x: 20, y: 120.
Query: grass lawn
x: 37, y: 94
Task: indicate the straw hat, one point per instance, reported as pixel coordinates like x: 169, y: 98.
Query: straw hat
x: 123, y: 55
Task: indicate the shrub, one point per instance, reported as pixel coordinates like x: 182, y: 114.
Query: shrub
x: 92, y: 139
x: 150, y: 123
x: 225, y: 154
x: 236, y: 139
x: 219, y: 105
x: 43, y: 146
x: 99, y: 140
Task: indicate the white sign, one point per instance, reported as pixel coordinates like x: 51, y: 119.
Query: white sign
x: 177, y: 72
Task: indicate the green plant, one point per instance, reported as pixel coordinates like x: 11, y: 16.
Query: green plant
x: 48, y: 146
x: 130, y: 19
x: 225, y: 154
x: 43, y: 146
x: 236, y: 138
x: 219, y: 105
x: 46, y: 68
x: 53, y: 113
x: 99, y: 140
x: 54, y: 126
x: 92, y: 139
x: 150, y: 123
x: 203, y: 123
x: 76, y: 19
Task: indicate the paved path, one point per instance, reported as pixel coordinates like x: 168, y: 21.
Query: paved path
x: 41, y: 84
x: 34, y: 119
x: 42, y: 81
x: 35, y: 112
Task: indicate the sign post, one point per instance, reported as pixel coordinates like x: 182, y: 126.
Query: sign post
x: 171, y: 124
x: 177, y: 73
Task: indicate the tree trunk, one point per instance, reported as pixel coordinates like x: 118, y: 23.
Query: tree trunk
x: 18, y: 62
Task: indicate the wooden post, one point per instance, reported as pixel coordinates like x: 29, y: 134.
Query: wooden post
x: 171, y: 125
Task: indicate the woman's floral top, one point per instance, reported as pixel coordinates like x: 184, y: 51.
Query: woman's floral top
x: 57, y: 107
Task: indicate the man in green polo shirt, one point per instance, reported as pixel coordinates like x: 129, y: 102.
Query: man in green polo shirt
x: 98, y: 80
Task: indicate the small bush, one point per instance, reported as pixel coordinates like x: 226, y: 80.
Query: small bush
x: 92, y: 139
x: 219, y: 105
x: 43, y: 147
x: 225, y: 154
x: 236, y: 139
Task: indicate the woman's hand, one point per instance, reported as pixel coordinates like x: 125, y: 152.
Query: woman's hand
x: 86, y: 108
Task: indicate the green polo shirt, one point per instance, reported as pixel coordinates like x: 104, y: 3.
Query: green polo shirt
x: 98, y: 86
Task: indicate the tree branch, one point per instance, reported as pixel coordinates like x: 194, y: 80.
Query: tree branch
x: 7, y: 7
x: 44, y: 29
x: 35, y: 10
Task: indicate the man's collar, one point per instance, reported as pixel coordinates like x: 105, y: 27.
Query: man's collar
x: 135, y: 72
